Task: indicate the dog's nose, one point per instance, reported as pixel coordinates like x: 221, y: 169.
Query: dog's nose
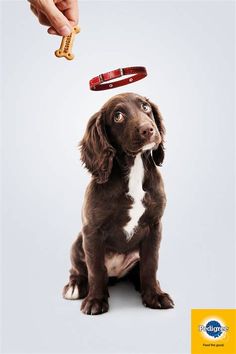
x: 146, y: 130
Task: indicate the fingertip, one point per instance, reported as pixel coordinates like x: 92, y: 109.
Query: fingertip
x: 52, y: 31
x: 65, y: 30
x: 73, y: 23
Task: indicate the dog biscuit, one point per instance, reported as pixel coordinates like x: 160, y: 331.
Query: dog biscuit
x: 65, y: 49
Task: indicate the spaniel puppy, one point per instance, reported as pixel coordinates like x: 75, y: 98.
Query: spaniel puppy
x: 123, y: 205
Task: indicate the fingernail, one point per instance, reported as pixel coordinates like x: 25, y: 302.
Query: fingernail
x: 65, y: 31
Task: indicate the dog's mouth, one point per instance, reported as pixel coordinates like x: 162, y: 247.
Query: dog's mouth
x: 139, y: 146
x: 149, y: 146
x: 145, y: 147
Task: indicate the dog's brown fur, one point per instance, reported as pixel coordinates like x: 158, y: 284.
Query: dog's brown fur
x: 108, y: 151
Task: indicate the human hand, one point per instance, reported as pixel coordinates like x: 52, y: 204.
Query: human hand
x: 59, y: 15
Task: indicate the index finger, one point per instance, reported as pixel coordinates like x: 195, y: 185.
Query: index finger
x: 72, y: 12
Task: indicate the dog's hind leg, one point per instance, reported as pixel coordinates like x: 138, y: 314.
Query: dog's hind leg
x: 77, y: 288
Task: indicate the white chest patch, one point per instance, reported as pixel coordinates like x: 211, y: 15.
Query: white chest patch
x: 137, y: 193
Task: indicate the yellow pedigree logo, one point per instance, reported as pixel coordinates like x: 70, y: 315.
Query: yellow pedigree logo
x: 213, y: 331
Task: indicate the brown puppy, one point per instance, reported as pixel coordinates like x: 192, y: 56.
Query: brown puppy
x: 123, y: 204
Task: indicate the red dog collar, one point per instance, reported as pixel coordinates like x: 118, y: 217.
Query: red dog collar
x: 137, y: 72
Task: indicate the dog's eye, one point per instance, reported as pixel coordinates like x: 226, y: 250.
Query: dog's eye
x: 118, y: 117
x: 146, y: 107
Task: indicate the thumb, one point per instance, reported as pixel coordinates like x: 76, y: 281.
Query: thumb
x: 57, y: 19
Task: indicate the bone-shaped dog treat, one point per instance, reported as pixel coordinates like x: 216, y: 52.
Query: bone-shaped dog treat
x: 66, y: 45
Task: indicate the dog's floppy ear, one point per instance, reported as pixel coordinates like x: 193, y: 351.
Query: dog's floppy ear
x: 96, y: 152
x: 158, y: 154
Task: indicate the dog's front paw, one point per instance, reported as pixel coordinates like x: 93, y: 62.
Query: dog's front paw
x: 93, y: 306
x: 156, y: 300
x: 76, y: 289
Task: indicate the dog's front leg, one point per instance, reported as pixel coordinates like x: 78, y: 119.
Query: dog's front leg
x: 96, y: 301
x: 152, y: 295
